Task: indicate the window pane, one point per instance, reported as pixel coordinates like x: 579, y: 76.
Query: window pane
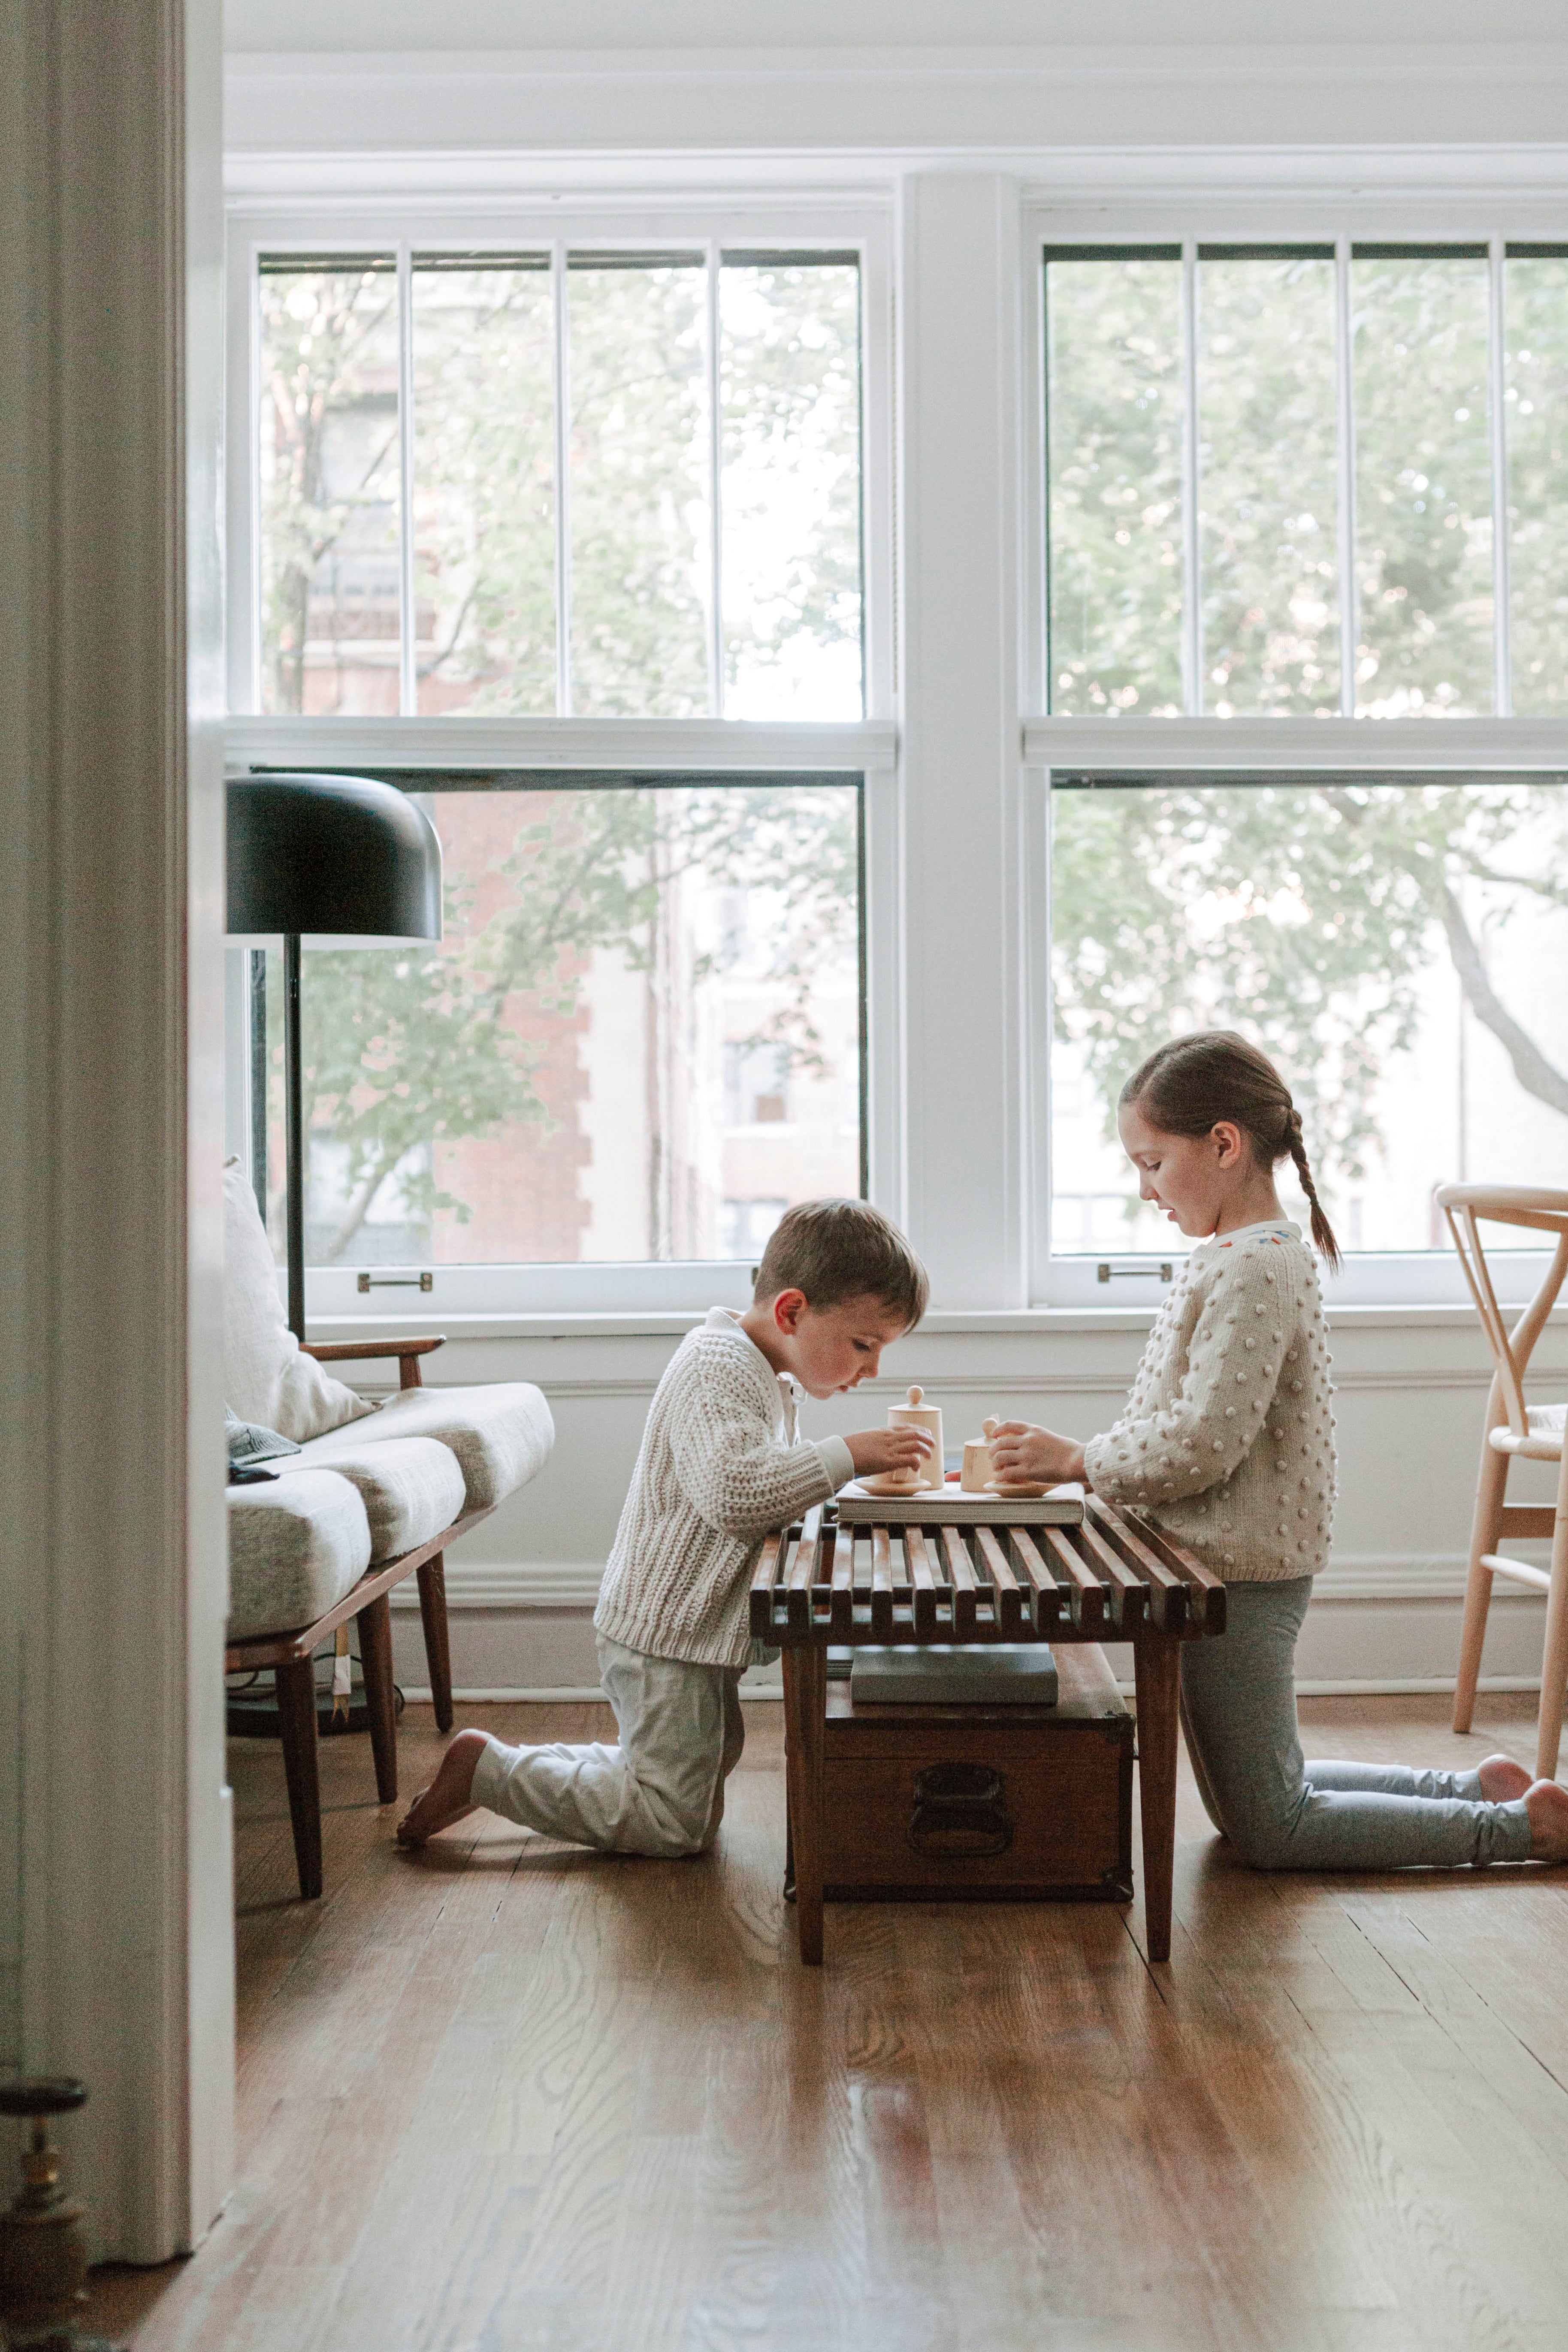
x: 484, y: 487
x: 639, y: 1038
x: 640, y: 507
x: 1269, y: 411
x: 1424, y: 529
x: 330, y: 592
x: 1356, y: 932
x: 1537, y: 408
x: 1114, y: 410
x: 790, y: 352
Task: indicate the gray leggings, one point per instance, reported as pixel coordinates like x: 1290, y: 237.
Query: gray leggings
x: 1238, y: 1712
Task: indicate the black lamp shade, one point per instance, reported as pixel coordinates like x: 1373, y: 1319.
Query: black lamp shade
x: 333, y: 853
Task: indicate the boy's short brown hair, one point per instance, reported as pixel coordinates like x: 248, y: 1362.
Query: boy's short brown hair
x: 834, y: 1249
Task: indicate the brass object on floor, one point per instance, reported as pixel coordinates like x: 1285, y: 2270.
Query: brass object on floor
x: 43, y: 2259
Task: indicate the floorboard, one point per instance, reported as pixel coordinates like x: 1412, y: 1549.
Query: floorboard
x: 507, y: 2096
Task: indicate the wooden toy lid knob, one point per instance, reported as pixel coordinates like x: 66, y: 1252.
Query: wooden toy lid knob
x: 915, y: 1395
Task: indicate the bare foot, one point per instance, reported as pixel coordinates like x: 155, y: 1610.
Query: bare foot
x: 1547, y: 1805
x: 1502, y: 1779
x: 446, y: 1800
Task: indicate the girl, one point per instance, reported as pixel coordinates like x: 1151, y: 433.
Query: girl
x: 1228, y: 1441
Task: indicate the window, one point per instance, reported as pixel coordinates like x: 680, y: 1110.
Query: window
x: 634, y: 1042
x: 1276, y: 474
x: 1385, y: 940
x: 574, y: 481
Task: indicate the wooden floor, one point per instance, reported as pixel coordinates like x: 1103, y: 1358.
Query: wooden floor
x: 513, y: 2097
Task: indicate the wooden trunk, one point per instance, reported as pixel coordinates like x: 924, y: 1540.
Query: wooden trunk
x: 998, y: 1804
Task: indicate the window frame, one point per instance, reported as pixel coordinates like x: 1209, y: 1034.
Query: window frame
x: 581, y: 218
x: 1189, y: 218
x: 572, y: 225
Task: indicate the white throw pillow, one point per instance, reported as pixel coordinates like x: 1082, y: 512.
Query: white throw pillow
x: 268, y: 1378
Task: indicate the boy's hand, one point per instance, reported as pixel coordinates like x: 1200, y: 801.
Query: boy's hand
x: 1029, y: 1456
x: 872, y: 1451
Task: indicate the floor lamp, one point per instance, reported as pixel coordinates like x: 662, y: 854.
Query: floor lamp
x: 329, y: 857
x: 338, y: 859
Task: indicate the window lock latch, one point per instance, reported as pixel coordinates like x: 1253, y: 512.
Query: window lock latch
x: 1108, y: 1273
x: 368, y: 1282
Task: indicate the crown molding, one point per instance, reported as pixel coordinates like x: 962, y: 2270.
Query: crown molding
x: 1114, y: 176
x: 1284, y: 64
x: 910, y: 107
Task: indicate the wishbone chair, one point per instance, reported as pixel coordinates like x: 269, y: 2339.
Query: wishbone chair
x: 1514, y: 1429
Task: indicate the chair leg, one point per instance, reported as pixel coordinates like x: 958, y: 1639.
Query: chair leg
x: 433, y: 1614
x: 375, y: 1623
x: 296, y: 1686
x: 1554, y: 1661
x: 1490, y: 1485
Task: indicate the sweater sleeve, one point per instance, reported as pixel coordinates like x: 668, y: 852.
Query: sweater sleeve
x: 1235, y: 1360
x: 731, y: 1468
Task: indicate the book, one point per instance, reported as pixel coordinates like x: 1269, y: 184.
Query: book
x: 943, y: 1507
x: 944, y: 1673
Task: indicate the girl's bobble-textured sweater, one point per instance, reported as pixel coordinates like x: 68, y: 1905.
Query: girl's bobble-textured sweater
x: 719, y: 1469
x: 1228, y: 1435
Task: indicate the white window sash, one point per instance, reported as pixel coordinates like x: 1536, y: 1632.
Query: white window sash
x: 1201, y: 204
x: 375, y: 224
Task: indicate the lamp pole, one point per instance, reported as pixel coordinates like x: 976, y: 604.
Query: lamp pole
x: 294, y: 1128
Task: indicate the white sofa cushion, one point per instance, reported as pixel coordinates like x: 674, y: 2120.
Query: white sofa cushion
x: 411, y: 1488
x: 296, y: 1545
x: 501, y: 1433
x: 266, y: 1376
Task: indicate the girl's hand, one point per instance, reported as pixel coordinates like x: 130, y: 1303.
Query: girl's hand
x: 1025, y: 1455
x: 872, y: 1451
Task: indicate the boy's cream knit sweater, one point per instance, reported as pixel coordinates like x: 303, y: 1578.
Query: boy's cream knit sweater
x: 719, y: 1469
x: 1228, y: 1435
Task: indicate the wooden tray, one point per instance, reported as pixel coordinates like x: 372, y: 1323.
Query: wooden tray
x: 950, y: 1507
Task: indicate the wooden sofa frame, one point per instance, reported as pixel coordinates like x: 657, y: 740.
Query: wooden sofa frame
x: 290, y: 1656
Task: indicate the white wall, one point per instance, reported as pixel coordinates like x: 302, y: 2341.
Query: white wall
x: 115, y: 1879
x: 930, y: 79
x: 1412, y: 1391
x: 949, y: 115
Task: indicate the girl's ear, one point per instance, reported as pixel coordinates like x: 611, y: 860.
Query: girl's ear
x: 1226, y: 1138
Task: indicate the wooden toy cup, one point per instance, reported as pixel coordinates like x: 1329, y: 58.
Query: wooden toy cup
x: 912, y: 1415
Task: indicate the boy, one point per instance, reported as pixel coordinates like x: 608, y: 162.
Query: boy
x: 720, y: 1467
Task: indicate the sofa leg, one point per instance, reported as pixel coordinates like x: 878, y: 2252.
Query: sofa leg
x: 296, y: 1686
x: 433, y: 1613
x: 381, y: 1703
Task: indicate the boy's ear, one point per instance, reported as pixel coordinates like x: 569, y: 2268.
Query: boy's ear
x: 787, y: 1309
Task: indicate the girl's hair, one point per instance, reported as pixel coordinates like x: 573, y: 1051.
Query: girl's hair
x: 1188, y: 1087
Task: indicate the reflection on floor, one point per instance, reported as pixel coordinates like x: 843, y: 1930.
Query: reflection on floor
x: 511, y: 2097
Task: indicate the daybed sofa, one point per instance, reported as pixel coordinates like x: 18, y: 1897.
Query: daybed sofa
x: 375, y: 1493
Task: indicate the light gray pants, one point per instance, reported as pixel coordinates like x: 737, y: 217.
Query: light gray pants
x: 660, y: 1792
x: 1238, y: 1712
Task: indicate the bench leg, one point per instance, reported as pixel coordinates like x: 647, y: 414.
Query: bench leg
x: 433, y: 1616
x: 296, y: 1686
x: 1157, y: 1670
x: 806, y: 1731
x: 376, y: 1657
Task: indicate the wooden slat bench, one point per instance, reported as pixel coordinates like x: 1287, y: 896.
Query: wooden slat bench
x: 1117, y: 1578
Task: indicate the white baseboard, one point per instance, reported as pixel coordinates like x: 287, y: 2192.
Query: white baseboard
x: 1389, y: 1686
x: 574, y: 1583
